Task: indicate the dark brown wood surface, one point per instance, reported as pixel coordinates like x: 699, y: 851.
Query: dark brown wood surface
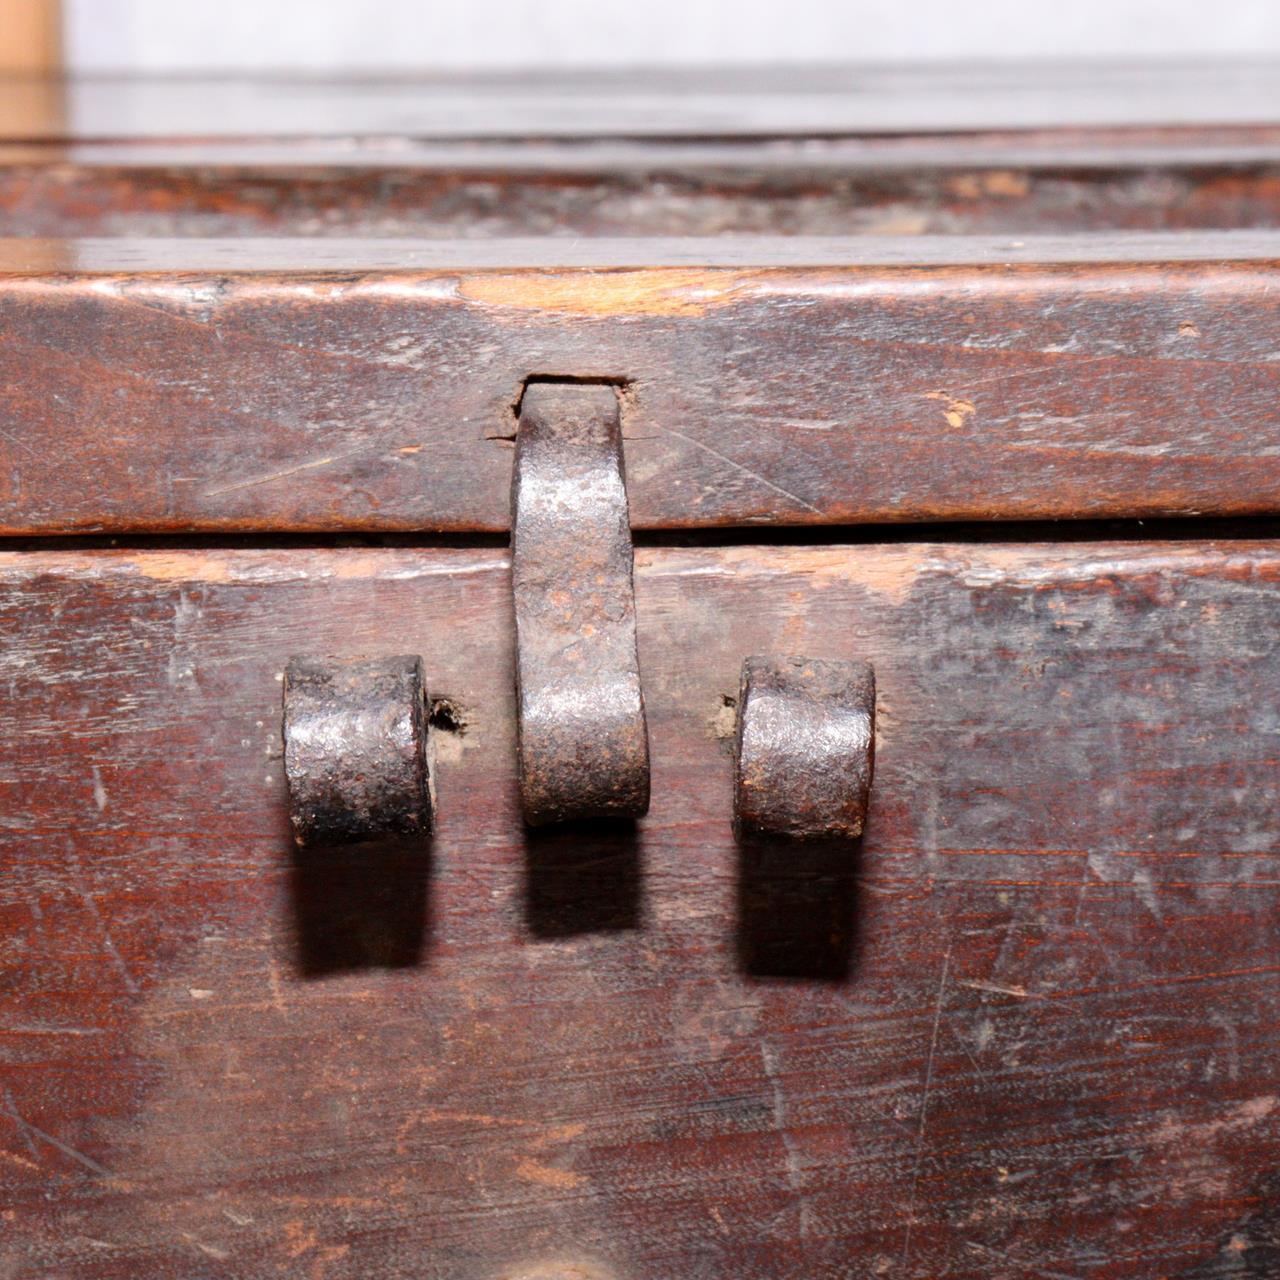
x: 305, y: 385
x: 1052, y: 1053
x: 1063, y: 181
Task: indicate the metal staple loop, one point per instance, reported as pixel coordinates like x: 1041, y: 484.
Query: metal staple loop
x: 805, y: 748
x: 355, y: 749
x: 583, y: 741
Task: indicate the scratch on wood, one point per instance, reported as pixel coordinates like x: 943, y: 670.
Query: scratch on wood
x: 277, y: 988
x: 1020, y: 993
x: 40, y: 1029
x: 108, y: 943
x: 924, y: 1105
x: 220, y: 1255
x: 795, y: 1175
x: 99, y: 791
x: 737, y: 466
x: 19, y: 443
x: 313, y: 465
x: 31, y: 1132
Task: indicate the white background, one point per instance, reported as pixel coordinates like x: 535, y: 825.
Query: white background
x: 354, y: 35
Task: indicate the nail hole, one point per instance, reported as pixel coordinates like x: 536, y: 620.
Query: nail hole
x: 446, y: 716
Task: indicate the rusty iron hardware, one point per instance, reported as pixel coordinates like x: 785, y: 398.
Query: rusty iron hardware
x: 356, y: 749
x: 583, y: 741
x: 805, y: 748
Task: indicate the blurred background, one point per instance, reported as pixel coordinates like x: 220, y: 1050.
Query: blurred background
x: 345, y: 36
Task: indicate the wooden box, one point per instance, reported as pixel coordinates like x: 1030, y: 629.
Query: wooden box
x: 976, y: 378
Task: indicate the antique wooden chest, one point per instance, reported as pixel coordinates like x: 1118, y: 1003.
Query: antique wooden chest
x: 970, y: 377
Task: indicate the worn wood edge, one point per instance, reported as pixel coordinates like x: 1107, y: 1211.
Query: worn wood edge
x: 889, y: 567
x: 1163, y: 359
x: 105, y: 256
x: 1066, y: 150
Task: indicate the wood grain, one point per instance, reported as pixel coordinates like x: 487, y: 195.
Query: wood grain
x: 302, y: 385
x: 1053, y: 1052
x: 1011, y: 183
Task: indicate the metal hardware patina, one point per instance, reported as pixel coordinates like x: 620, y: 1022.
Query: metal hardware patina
x: 355, y: 749
x: 805, y: 748
x: 583, y: 741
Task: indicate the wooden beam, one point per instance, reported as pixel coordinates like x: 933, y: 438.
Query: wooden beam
x: 303, y: 385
